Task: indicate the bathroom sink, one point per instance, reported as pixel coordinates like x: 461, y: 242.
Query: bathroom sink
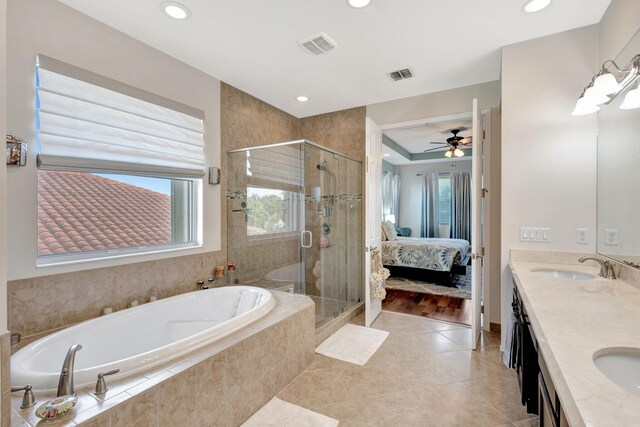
x: 562, y: 274
x: 621, y: 365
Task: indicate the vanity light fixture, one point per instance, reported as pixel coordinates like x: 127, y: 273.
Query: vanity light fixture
x: 175, y: 10
x: 532, y: 6
x: 605, y: 87
x: 632, y: 100
x: 302, y: 98
x: 358, y: 4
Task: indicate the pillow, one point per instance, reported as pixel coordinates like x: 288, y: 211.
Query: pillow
x: 383, y: 235
x: 389, y: 230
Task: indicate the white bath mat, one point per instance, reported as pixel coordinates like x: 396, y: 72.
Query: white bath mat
x: 353, y: 343
x: 278, y: 413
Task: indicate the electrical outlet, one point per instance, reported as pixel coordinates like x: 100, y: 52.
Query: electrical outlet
x: 611, y: 237
x: 582, y: 236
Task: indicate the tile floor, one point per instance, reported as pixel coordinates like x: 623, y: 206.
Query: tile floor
x: 422, y: 375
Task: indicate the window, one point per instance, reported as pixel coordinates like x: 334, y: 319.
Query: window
x: 444, y: 202
x: 271, y: 212
x: 120, y: 170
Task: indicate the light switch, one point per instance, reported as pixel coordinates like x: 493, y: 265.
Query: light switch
x: 535, y: 234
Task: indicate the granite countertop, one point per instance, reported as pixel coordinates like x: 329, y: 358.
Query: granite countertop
x: 572, y: 319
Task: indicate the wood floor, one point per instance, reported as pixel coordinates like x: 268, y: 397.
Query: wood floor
x: 437, y: 307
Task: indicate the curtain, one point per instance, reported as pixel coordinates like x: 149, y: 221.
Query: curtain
x: 461, y: 205
x: 390, y: 192
x: 430, y: 206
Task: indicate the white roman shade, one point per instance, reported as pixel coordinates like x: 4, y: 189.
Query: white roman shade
x: 280, y: 164
x: 90, y: 123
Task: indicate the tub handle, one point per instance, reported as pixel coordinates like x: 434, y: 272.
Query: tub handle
x: 28, y: 399
x: 101, y: 385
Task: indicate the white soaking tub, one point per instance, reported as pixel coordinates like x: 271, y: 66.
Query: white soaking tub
x: 141, y: 337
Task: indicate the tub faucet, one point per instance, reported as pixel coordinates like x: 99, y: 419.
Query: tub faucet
x: 607, y: 269
x: 65, y: 384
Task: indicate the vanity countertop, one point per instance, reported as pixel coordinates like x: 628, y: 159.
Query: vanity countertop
x: 572, y: 319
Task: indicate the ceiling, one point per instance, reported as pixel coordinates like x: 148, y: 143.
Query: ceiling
x: 252, y: 44
x: 415, y: 139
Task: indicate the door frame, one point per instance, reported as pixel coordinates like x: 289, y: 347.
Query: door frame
x: 486, y: 163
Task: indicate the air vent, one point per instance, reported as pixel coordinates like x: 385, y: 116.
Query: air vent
x: 317, y: 44
x: 400, y: 75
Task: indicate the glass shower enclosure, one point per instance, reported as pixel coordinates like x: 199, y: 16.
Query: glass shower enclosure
x: 294, y: 213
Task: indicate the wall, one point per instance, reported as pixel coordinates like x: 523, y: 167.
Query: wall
x: 5, y: 399
x: 435, y: 104
x: 389, y: 167
x: 72, y: 37
x: 342, y: 131
x: 411, y: 189
x: 618, y: 25
x: 548, y: 156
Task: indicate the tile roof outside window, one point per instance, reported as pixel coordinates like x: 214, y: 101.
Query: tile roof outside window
x: 82, y: 212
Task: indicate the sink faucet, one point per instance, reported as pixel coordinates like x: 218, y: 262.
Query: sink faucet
x: 65, y: 384
x: 606, y: 267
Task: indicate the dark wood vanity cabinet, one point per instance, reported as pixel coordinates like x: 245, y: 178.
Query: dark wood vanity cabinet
x: 536, y: 388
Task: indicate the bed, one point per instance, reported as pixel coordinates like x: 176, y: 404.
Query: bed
x: 421, y: 255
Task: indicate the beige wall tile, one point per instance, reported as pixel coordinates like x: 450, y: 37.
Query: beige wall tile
x: 212, y: 397
x: 139, y: 411
x: 177, y: 402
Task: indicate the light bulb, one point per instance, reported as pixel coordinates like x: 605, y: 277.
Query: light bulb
x: 175, y: 10
x: 535, y: 5
x: 447, y: 154
x: 585, y: 106
x: 458, y: 152
x: 358, y: 4
x: 595, y: 97
x: 631, y: 100
x: 606, y: 84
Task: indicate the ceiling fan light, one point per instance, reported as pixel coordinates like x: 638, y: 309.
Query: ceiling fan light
x: 585, y: 106
x: 447, y: 154
x: 595, y: 97
x: 458, y: 152
x: 606, y: 84
x: 631, y: 100
x: 532, y: 6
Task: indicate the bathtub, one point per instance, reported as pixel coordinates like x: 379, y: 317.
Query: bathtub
x: 141, y: 337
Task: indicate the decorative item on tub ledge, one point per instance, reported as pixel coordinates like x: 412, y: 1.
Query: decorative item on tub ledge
x: 378, y: 275
x: 16, y: 151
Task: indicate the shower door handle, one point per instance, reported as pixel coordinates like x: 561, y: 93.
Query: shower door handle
x: 302, y: 239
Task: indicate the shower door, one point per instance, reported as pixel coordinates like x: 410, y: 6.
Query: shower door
x: 332, y: 216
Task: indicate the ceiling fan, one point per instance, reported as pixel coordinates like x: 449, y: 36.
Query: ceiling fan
x: 454, y: 143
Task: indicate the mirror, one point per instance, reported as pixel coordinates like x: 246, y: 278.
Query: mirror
x: 619, y: 175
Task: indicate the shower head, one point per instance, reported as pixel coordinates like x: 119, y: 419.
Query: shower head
x: 324, y: 168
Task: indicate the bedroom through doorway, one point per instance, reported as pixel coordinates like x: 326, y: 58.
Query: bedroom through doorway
x: 427, y: 226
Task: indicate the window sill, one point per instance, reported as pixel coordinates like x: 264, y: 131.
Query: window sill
x: 54, y: 261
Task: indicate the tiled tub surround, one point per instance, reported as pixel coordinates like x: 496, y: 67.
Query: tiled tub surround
x: 574, y: 319
x: 218, y: 385
x: 46, y: 303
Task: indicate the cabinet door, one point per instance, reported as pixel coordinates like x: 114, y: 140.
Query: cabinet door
x: 545, y: 408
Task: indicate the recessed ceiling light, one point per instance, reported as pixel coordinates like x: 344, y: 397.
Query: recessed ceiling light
x: 175, y: 10
x: 358, y: 4
x: 386, y: 154
x: 535, y: 5
x: 302, y: 98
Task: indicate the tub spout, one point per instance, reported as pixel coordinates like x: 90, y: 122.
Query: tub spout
x: 65, y: 384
